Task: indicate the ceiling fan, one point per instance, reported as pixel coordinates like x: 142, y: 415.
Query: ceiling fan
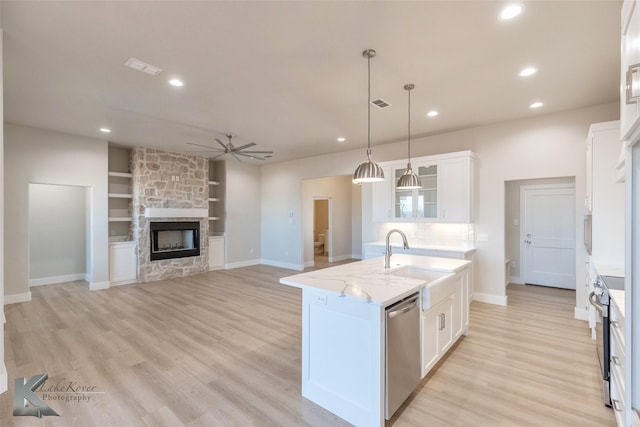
x: 229, y: 148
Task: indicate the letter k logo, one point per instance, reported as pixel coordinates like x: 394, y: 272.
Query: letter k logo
x: 24, y: 392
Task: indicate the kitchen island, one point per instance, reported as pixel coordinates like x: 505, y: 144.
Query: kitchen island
x: 344, y: 330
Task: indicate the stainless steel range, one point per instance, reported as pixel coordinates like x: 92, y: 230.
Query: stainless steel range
x: 599, y: 298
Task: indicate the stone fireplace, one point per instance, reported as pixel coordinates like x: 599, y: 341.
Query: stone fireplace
x: 170, y: 194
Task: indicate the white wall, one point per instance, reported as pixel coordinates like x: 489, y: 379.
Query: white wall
x: 339, y: 190
x: 49, y: 157
x: 3, y: 368
x: 542, y: 146
x: 57, y: 233
x: 243, y: 237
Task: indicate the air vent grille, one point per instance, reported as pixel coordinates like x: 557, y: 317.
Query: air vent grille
x: 380, y: 103
x: 142, y: 66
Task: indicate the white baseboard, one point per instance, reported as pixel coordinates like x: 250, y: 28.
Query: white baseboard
x: 490, y: 299
x: 239, y: 264
x: 16, y: 298
x: 57, y: 279
x: 356, y: 256
x: 339, y: 258
x: 287, y: 265
x: 98, y: 286
x: 309, y: 264
x: 4, y: 378
x: 123, y: 282
x: 516, y: 280
x: 581, y: 313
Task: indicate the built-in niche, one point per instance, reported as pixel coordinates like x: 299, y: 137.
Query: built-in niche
x: 58, y: 227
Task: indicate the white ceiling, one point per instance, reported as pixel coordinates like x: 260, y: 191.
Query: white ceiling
x: 290, y: 76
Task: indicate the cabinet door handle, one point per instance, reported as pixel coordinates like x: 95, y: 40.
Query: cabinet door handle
x: 444, y: 320
x: 616, y: 360
x: 616, y: 405
x: 615, y: 324
x: 631, y: 98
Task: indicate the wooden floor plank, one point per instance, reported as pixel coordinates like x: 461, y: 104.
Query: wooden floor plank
x: 224, y: 349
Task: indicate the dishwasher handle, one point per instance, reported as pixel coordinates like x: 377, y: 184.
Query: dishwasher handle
x: 403, y: 307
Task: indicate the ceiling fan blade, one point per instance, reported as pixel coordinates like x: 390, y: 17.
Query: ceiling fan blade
x: 250, y: 156
x: 242, y: 147
x: 223, y: 144
x: 236, y: 157
x: 219, y: 155
x: 204, y: 146
x: 258, y: 152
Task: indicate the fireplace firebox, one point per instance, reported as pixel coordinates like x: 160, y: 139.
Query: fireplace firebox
x: 174, y: 240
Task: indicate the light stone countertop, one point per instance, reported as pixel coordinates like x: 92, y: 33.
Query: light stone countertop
x: 616, y: 270
x: 370, y: 282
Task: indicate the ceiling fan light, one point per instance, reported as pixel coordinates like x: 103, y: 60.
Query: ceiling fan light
x: 368, y: 171
x: 409, y: 180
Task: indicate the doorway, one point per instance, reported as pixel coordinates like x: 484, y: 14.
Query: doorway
x: 321, y: 230
x: 547, y: 235
x: 58, y: 223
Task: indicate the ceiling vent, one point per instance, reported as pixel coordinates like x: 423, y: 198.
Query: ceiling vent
x: 380, y: 103
x: 138, y: 65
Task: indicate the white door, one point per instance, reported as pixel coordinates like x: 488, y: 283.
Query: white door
x: 548, y: 235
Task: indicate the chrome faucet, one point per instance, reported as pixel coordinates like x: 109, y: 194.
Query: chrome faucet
x: 387, y: 252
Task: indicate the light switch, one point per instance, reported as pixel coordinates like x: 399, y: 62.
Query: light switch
x: 516, y: 221
x: 483, y: 237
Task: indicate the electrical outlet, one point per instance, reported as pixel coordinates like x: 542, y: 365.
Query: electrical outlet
x: 321, y: 299
x: 483, y: 237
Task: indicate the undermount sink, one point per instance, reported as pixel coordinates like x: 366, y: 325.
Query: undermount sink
x: 437, y: 286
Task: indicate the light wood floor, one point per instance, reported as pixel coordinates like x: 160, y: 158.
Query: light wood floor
x: 223, y: 349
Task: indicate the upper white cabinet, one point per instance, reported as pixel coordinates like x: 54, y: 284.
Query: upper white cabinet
x: 604, y: 195
x: 630, y: 69
x: 445, y: 196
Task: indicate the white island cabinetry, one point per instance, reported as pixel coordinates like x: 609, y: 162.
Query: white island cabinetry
x: 344, y: 329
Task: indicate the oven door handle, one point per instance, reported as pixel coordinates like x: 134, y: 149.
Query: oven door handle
x: 593, y: 300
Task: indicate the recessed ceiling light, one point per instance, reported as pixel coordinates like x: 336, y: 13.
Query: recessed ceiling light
x: 105, y: 130
x: 536, y: 105
x: 529, y: 71
x: 511, y: 11
x: 341, y: 139
x: 432, y: 113
x: 176, y: 82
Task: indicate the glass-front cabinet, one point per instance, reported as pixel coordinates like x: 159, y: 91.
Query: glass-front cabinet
x: 418, y: 203
x: 446, y: 194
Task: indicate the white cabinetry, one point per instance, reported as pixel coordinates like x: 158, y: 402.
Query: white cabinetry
x: 618, y: 358
x: 445, y: 196
x: 123, y: 264
x: 446, y: 320
x: 216, y: 252
x: 630, y: 68
x: 605, y: 196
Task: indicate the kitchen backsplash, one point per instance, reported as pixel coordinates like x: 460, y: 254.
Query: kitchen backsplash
x: 423, y: 234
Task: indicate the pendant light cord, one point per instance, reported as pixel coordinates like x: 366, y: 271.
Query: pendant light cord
x: 409, y: 130
x: 369, y: 105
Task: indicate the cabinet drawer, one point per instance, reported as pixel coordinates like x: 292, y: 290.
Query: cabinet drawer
x: 617, y: 326
x: 617, y: 397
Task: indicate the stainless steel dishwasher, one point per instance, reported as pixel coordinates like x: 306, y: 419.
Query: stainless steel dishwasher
x: 403, y: 352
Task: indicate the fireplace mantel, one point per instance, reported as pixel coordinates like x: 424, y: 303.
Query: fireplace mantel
x: 176, y: 213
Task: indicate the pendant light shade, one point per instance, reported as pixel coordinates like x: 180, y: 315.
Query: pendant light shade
x: 368, y: 171
x: 409, y: 180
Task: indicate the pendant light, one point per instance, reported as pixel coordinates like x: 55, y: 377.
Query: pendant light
x: 409, y: 180
x: 368, y: 171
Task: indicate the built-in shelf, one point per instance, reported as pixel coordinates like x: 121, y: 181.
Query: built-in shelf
x: 214, y: 183
x: 120, y: 195
x: 214, y: 218
x: 120, y: 219
x: 121, y: 174
x: 214, y: 199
